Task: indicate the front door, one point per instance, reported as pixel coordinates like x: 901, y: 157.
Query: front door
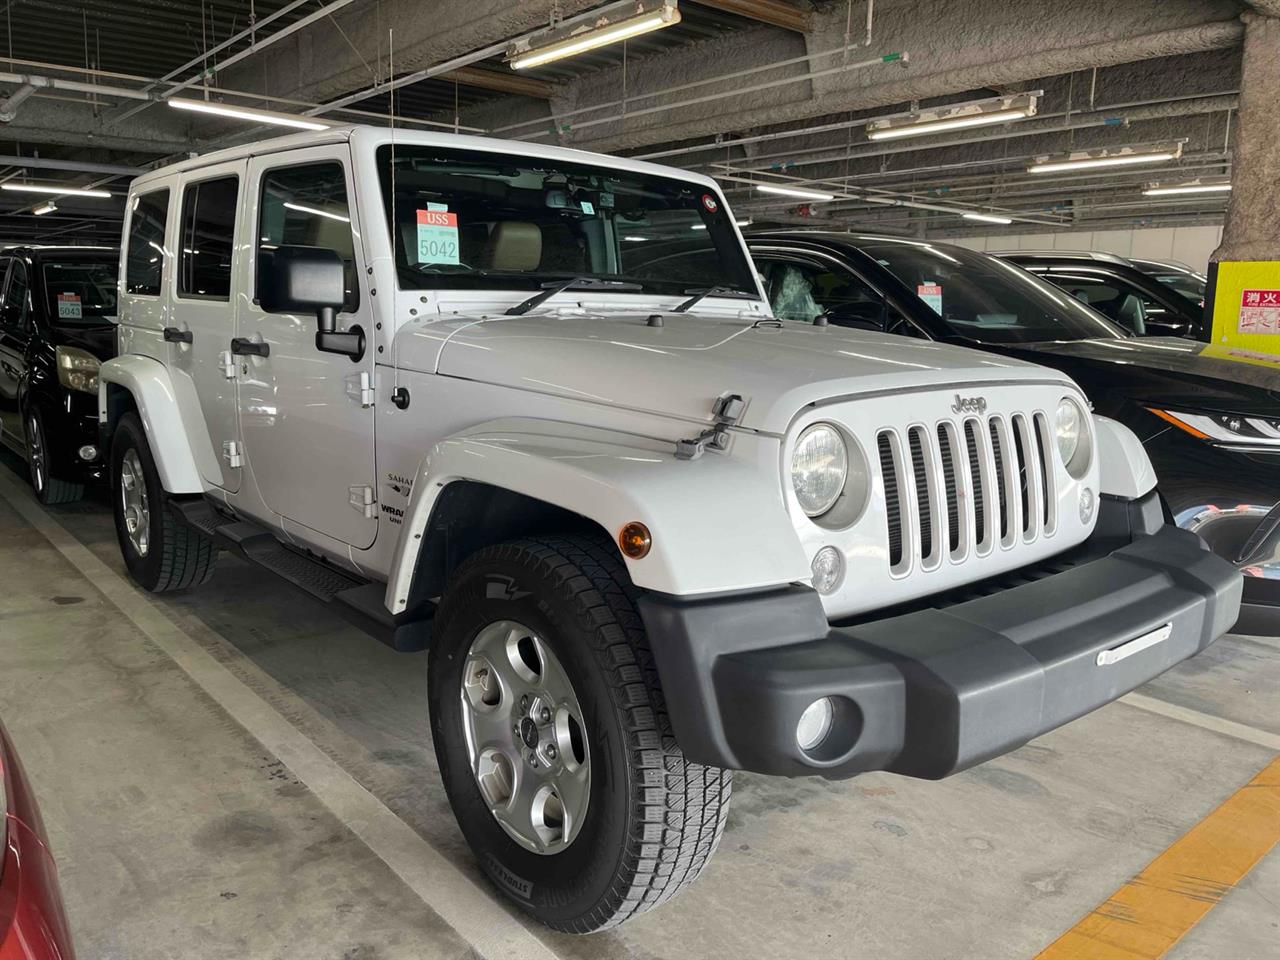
x: 205, y: 291
x: 306, y: 423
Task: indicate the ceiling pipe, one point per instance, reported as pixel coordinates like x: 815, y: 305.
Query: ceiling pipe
x: 466, y: 59
x: 1026, y: 128
x: 920, y: 86
x: 713, y: 146
x: 79, y: 166
x: 256, y: 47
x: 10, y: 104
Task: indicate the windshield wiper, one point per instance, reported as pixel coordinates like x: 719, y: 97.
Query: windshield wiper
x: 553, y: 287
x: 701, y: 292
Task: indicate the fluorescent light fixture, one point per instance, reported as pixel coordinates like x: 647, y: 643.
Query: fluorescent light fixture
x: 740, y: 223
x: 525, y: 53
x: 57, y: 191
x: 1193, y: 186
x: 1096, y: 159
x: 986, y: 218
x: 44, y: 208
x: 636, y: 239
x: 794, y: 192
x: 315, y: 212
x: 961, y: 116
x: 247, y: 113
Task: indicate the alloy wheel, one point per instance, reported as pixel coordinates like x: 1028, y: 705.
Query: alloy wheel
x: 133, y: 498
x: 525, y: 737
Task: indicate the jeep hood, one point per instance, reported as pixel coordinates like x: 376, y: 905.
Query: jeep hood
x: 680, y: 368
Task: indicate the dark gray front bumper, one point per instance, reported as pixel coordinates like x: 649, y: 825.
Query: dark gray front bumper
x: 931, y: 691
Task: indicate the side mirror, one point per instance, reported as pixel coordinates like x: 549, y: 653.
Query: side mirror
x: 293, y: 279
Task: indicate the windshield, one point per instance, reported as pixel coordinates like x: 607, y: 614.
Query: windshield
x: 80, y: 292
x: 985, y: 299
x: 478, y: 220
x: 1187, y: 284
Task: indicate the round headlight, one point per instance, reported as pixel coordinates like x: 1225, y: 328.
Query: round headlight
x: 1068, y: 426
x: 819, y: 466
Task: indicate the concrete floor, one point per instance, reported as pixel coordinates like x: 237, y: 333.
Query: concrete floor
x: 179, y: 834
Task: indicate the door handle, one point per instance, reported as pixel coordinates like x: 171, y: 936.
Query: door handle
x: 174, y: 335
x: 244, y: 347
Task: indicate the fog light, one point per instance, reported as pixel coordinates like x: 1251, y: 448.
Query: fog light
x: 1086, y: 505
x: 88, y: 452
x: 815, y: 724
x: 827, y: 569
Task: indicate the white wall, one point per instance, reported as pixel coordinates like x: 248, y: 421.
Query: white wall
x: 1191, y: 245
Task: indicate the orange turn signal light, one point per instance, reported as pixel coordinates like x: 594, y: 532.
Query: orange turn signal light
x: 634, y: 540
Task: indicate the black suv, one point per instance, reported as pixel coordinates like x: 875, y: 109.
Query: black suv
x: 1118, y: 289
x: 56, y: 328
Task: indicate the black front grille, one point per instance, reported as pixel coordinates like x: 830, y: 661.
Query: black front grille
x: 892, y: 510
x: 949, y: 487
x: 916, y: 441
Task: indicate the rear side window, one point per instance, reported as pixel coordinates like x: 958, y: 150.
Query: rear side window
x: 144, y: 257
x: 306, y: 206
x: 207, y: 232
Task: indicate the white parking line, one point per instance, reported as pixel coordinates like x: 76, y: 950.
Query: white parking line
x: 471, y: 911
x: 1206, y: 721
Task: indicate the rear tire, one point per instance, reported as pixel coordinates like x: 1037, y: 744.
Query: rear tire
x: 49, y: 490
x: 160, y: 552
x: 653, y: 818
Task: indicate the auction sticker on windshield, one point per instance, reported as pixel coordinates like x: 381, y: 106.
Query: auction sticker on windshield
x: 69, y: 307
x: 1259, y: 311
x: 931, y: 294
x: 437, y: 236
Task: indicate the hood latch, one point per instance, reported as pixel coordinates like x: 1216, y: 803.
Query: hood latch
x: 726, y: 411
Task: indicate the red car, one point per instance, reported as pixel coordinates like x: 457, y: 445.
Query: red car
x: 32, y: 923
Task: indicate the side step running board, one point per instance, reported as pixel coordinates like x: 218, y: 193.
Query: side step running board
x: 357, y: 600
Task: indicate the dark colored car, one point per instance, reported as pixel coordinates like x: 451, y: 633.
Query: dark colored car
x: 1118, y: 289
x: 33, y: 925
x: 1210, y: 423
x: 56, y: 327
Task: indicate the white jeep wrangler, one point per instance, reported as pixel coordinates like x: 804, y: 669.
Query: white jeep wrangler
x: 528, y: 408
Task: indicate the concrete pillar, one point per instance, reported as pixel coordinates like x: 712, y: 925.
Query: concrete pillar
x: 1252, y: 230
x: 1243, y: 302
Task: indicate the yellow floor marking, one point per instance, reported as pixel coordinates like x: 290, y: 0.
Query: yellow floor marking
x: 1154, y: 910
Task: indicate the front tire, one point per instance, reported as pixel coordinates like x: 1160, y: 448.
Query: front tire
x: 49, y: 490
x: 160, y: 552
x: 561, y: 611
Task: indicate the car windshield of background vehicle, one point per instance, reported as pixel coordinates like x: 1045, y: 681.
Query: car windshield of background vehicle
x: 986, y: 299
x: 1184, y: 283
x: 80, y: 292
x: 477, y: 220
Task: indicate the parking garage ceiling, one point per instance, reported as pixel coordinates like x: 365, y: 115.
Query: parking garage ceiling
x: 752, y: 91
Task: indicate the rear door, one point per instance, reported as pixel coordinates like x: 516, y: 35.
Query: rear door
x: 203, y: 320
x: 307, y: 423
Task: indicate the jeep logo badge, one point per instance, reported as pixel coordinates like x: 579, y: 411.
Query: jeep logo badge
x: 969, y: 405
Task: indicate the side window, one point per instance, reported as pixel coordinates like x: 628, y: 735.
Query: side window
x: 206, y: 234
x: 13, y: 314
x: 144, y: 257
x: 801, y: 290
x: 306, y: 206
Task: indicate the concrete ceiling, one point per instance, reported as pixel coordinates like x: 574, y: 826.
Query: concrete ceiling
x: 748, y: 90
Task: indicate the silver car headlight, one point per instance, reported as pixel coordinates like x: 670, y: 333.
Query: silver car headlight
x: 819, y: 467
